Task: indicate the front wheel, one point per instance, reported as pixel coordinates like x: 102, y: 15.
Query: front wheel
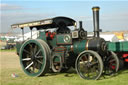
x: 89, y: 65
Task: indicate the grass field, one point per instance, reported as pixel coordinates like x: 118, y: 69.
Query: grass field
x: 10, y: 64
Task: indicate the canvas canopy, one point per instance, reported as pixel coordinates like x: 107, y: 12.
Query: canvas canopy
x: 47, y: 23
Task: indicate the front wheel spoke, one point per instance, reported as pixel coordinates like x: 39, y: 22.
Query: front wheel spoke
x: 88, y: 55
x: 83, y: 61
x: 88, y: 73
x: 29, y: 65
x: 94, y: 63
x: 26, y: 59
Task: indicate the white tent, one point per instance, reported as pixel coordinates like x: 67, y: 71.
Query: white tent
x: 110, y: 37
x: 126, y: 37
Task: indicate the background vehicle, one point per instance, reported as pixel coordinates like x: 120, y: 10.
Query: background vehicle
x: 121, y: 49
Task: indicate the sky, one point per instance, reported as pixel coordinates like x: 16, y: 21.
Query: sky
x: 113, y: 13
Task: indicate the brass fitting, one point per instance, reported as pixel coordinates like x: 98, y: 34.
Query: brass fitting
x: 96, y: 8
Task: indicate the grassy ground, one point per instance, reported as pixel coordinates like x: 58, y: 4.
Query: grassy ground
x: 10, y: 64
x: 8, y: 50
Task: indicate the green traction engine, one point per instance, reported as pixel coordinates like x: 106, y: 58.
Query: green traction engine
x: 64, y: 48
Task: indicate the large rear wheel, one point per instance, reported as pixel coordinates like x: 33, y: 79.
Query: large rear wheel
x: 35, y: 57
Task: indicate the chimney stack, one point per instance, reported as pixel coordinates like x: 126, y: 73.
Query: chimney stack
x: 96, y: 21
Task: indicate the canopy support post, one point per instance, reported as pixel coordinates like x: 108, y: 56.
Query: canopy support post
x: 22, y: 33
x: 31, y: 32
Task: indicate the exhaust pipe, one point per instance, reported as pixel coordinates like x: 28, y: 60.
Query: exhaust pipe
x: 80, y: 24
x: 96, y: 21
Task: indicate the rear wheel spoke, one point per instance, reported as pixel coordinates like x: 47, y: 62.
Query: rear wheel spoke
x: 38, y: 52
x: 33, y: 67
x: 30, y: 45
x: 26, y: 59
x: 27, y: 52
x: 35, y: 49
x: 39, y: 61
x: 39, y: 57
x: 29, y: 65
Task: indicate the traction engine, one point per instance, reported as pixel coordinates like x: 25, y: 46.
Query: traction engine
x: 59, y: 50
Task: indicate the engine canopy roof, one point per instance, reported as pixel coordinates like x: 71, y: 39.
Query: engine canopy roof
x: 46, y: 23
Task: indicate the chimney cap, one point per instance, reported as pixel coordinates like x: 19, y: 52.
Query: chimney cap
x: 96, y: 8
